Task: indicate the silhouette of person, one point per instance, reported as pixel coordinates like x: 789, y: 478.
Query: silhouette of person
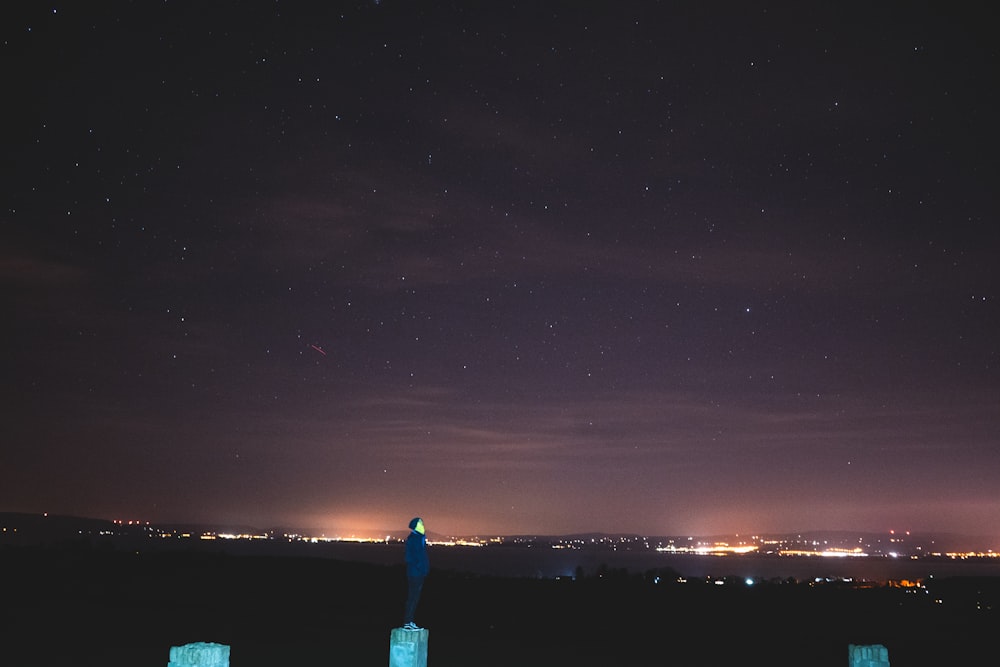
x: 417, y: 567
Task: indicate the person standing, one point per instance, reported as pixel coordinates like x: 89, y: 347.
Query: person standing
x: 417, y: 567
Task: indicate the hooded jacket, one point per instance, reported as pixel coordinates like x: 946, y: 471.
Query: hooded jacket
x: 417, y: 564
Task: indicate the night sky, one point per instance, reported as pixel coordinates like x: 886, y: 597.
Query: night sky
x: 527, y: 267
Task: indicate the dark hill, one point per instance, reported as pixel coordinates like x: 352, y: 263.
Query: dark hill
x: 85, y: 606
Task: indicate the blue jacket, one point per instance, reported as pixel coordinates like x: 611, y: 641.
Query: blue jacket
x: 417, y: 564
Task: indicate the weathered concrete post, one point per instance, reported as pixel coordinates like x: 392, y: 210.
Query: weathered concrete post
x: 199, y: 654
x: 408, y: 648
x: 873, y: 655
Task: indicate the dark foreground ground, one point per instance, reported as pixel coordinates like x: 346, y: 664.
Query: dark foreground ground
x: 80, y: 606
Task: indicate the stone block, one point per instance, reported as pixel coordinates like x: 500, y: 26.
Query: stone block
x: 199, y: 654
x: 870, y: 655
x: 408, y: 648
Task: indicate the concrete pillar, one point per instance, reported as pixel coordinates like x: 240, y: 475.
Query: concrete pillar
x: 199, y: 654
x: 872, y: 655
x: 408, y: 648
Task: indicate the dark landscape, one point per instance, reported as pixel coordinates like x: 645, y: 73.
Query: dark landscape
x: 77, y: 603
x: 675, y: 323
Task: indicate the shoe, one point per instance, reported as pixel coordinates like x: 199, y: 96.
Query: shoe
x: 411, y: 626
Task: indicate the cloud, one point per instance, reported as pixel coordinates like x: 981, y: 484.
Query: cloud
x: 27, y: 271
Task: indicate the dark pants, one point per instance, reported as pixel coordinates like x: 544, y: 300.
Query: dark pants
x: 415, y: 585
